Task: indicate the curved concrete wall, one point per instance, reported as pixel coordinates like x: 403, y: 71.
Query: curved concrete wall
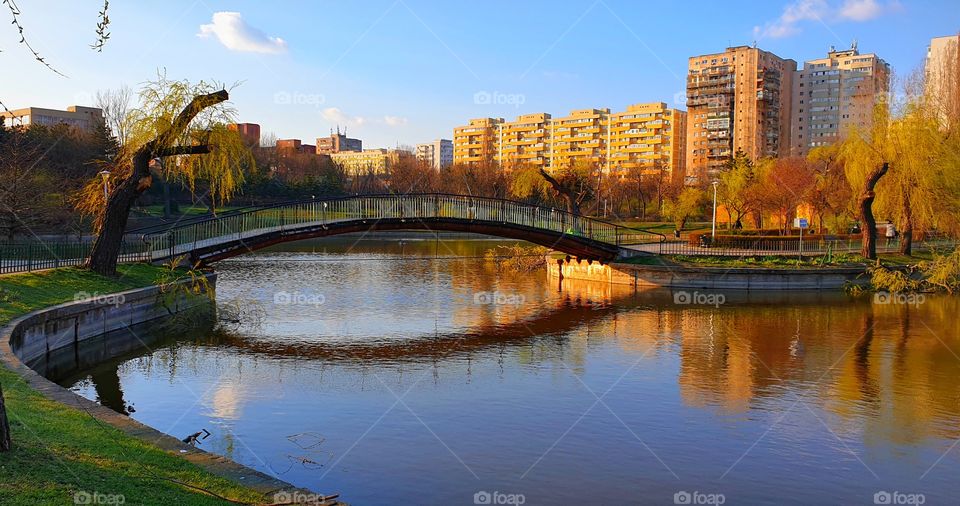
x: 705, y: 277
x: 33, y: 336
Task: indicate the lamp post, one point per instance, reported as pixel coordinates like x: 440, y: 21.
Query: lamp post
x: 105, y: 174
x: 713, y: 228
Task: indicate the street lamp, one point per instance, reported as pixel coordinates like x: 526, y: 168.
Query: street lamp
x: 713, y: 229
x: 105, y: 174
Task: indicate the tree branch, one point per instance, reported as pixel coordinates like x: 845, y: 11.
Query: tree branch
x: 200, y: 149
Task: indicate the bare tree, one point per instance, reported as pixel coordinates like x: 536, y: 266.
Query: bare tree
x: 115, y: 105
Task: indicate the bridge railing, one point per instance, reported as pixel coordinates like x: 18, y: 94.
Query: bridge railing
x: 187, y: 237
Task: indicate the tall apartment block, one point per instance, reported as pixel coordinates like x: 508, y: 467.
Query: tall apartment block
x: 249, y: 132
x: 525, y: 141
x: 833, y: 95
x: 650, y: 137
x: 737, y: 100
x: 942, y: 72
x: 477, y: 142
x: 437, y: 154
x: 580, y: 136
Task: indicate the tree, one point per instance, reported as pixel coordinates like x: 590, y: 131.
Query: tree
x: 687, y: 204
x: 5, y: 443
x: 175, y: 119
x: 785, y: 183
x: 736, y: 190
x: 572, y: 183
x: 830, y: 196
x: 115, y: 107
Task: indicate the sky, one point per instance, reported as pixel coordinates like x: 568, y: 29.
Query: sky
x: 400, y: 72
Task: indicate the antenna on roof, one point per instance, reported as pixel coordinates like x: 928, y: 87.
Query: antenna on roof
x: 854, y: 45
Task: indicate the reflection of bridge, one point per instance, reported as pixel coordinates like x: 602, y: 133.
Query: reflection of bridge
x: 245, y: 230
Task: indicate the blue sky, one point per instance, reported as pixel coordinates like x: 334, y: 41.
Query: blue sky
x: 407, y: 71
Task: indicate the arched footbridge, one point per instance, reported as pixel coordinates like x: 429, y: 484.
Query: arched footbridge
x: 249, y: 229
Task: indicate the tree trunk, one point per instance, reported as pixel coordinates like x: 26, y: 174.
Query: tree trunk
x: 573, y: 207
x: 865, y: 204
x: 106, y: 248
x: 906, y: 226
x: 5, y: 443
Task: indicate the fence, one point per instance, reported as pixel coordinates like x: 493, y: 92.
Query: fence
x: 28, y: 256
x: 792, y: 246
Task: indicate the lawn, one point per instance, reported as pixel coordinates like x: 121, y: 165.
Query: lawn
x: 59, y: 451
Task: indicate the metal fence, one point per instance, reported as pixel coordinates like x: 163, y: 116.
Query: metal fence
x: 28, y: 256
x: 792, y: 246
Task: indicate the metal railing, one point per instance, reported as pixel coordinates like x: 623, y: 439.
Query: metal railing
x: 791, y: 246
x: 165, y: 241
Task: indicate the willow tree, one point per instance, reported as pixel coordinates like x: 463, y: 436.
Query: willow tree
x: 184, y: 127
x: 866, y: 156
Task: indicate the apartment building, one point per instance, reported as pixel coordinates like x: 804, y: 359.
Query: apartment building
x: 739, y: 99
x: 437, y: 154
x: 833, y: 95
x: 942, y: 72
x: 650, y: 137
x: 337, y: 142
x: 476, y: 142
x: 525, y: 142
x: 369, y: 161
x: 580, y: 136
x: 249, y: 132
x: 294, y: 146
x: 85, y: 118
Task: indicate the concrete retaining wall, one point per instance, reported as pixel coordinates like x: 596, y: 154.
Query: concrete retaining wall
x: 705, y: 277
x: 31, y: 337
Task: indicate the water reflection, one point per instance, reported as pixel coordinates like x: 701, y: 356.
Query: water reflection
x: 818, y: 394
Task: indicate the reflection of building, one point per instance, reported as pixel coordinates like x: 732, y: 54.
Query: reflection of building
x: 650, y: 137
x: 250, y: 132
x: 437, y: 154
x: 85, y: 118
x: 942, y: 72
x: 834, y: 94
x: 476, y: 142
x: 369, y: 161
x: 336, y: 143
x: 737, y: 100
x: 525, y: 141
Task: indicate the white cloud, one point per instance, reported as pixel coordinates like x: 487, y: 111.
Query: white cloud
x: 235, y: 34
x: 336, y: 115
x: 865, y: 10
x: 800, y: 11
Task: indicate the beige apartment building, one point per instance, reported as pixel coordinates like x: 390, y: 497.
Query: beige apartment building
x: 580, y: 136
x: 524, y: 142
x: 476, y: 142
x: 835, y: 95
x: 942, y: 72
x: 739, y: 99
x: 369, y: 161
x: 650, y: 137
x: 76, y: 116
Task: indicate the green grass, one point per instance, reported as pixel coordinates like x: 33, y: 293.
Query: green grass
x: 59, y: 450
x: 185, y: 210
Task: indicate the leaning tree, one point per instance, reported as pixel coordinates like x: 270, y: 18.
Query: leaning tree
x: 179, y: 132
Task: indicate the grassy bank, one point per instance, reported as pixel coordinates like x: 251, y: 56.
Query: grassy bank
x: 59, y: 451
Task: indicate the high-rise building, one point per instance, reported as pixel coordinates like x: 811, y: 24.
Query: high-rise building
x: 833, y: 95
x: 580, y: 136
x: 249, y: 132
x: 737, y: 100
x: 85, y: 118
x: 525, y: 142
x: 437, y: 154
x: 650, y: 137
x: 476, y: 142
x: 942, y: 72
x: 336, y: 143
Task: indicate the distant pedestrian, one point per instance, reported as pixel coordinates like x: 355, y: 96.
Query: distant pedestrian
x: 891, y: 233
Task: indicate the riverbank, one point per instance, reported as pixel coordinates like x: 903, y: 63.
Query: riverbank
x: 64, y: 453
